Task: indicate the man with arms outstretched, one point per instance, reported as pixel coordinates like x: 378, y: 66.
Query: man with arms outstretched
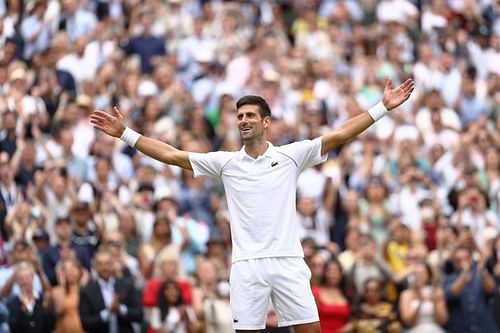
x: 260, y: 183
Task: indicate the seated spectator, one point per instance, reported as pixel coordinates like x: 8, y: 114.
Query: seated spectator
x: 172, y: 314
x: 66, y: 296
x: 30, y: 311
x: 423, y: 307
x: 467, y: 291
x: 373, y: 314
x: 333, y: 305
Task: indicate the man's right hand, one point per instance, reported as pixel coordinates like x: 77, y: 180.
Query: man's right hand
x: 109, y: 124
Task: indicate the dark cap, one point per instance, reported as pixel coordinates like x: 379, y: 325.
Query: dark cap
x: 40, y: 234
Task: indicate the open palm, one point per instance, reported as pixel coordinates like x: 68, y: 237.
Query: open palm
x: 109, y: 124
x: 394, y: 97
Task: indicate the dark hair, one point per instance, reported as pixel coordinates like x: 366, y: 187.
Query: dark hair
x: 365, y: 285
x: 161, y: 300
x: 264, y: 109
x: 428, y: 269
x: 343, y: 282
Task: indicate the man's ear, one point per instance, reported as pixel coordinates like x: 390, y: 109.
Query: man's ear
x: 267, y: 122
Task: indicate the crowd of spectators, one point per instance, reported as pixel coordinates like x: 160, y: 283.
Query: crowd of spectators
x: 400, y: 227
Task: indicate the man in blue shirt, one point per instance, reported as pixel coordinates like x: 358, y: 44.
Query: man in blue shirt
x: 468, y: 290
x: 147, y: 46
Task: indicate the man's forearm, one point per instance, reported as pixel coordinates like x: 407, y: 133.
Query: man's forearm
x: 349, y: 130
x: 163, y: 152
x: 458, y: 285
x: 487, y: 281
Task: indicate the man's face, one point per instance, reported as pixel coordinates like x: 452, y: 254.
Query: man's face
x: 250, y: 123
x: 63, y: 230
x: 103, y: 265
x: 462, y: 259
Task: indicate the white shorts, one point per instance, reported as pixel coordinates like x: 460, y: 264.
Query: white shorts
x: 283, y: 280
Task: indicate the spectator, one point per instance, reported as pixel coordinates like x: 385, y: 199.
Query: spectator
x: 172, y: 314
x: 148, y: 47
x: 128, y: 227
x: 211, y: 299
x: 108, y: 303
x: 150, y: 254
x: 63, y: 249
x: 30, y: 311
x: 373, y: 314
x: 35, y: 31
x: 169, y: 270
x: 66, y: 295
x: 367, y: 265
x: 76, y: 21
x: 423, y: 307
x: 9, y: 135
x: 467, y: 290
x: 192, y: 235
x: 317, y: 266
x: 21, y: 252
x: 333, y: 304
x: 125, y: 266
x: 85, y: 231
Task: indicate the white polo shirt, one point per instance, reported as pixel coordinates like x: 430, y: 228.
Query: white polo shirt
x: 261, y: 195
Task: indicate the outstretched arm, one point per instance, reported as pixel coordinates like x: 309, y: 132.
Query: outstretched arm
x: 115, y: 126
x: 393, y: 97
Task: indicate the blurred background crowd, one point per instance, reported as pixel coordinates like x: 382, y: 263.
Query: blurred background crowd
x: 400, y: 227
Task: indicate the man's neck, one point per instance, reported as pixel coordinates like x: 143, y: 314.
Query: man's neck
x: 256, y: 148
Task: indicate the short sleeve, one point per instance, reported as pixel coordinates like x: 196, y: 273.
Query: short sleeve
x: 209, y: 164
x: 305, y: 153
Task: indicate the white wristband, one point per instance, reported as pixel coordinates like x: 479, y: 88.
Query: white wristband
x: 130, y: 137
x: 378, y: 111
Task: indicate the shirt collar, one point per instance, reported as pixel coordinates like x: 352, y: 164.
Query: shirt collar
x: 110, y: 282
x: 269, y: 153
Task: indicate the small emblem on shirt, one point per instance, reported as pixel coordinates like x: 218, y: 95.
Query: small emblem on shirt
x: 275, y: 163
x: 235, y: 320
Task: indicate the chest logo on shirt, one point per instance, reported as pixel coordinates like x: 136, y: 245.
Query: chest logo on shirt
x: 273, y: 164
